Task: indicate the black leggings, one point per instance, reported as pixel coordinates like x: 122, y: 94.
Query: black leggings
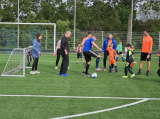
x: 105, y: 58
x: 58, y: 56
x: 35, y: 64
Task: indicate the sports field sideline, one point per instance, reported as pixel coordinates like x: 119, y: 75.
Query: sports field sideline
x: 48, y: 95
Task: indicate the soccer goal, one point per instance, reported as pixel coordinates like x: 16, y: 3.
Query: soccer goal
x: 16, y: 37
x: 16, y: 63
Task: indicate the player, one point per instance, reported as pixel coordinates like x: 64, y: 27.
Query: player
x: 112, y: 53
x: 29, y: 58
x: 88, y: 53
x: 129, y: 59
x: 158, y: 54
x: 35, y: 53
x: 105, y: 49
x: 147, y: 43
x: 133, y: 62
x: 89, y: 35
x: 79, y: 51
x: 58, y: 52
x: 119, y: 51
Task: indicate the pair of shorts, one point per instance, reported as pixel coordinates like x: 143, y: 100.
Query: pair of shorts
x: 111, y: 61
x: 119, y: 53
x: 144, y: 56
x: 79, y: 55
x: 89, y: 54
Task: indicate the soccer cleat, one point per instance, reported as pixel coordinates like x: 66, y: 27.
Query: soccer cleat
x: 56, y: 67
x: 98, y: 69
x: 65, y: 75
x: 83, y: 72
x: 84, y: 63
x: 123, y: 60
x: 138, y: 73
x: 124, y: 76
x: 147, y: 74
x: 104, y: 69
x: 86, y: 75
x: 116, y: 60
x: 32, y: 72
x: 133, y: 75
x: 110, y: 71
x: 60, y: 73
x: 116, y: 70
x: 37, y: 72
x: 76, y: 63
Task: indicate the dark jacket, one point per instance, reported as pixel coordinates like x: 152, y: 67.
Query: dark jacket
x: 105, y: 43
x: 64, y: 44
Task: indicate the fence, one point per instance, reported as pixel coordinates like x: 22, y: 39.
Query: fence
x: 9, y: 41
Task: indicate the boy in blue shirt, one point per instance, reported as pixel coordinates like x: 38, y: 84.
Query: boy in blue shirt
x: 88, y: 53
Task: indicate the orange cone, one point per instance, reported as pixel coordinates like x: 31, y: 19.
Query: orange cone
x: 54, y: 54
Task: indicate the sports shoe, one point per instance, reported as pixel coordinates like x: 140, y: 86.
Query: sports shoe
x: 56, y: 67
x: 86, y: 75
x: 84, y: 63
x: 60, y: 73
x: 138, y: 73
x: 65, y: 75
x: 76, y: 63
x: 110, y: 71
x: 124, y: 76
x: 37, y: 72
x: 98, y: 69
x: 116, y: 60
x: 104, y: 69
x: 32, y: 72
x: 147, y: 74
x: 116, y: 70
x: 133, y: 75
x: 123, y: 60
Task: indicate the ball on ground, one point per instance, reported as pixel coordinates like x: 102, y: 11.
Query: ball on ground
x: 94, y: 75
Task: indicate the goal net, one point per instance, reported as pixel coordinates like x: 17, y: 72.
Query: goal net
x: 17, y: 62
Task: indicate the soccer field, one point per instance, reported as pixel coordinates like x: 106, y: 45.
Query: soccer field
x: 48, y: 95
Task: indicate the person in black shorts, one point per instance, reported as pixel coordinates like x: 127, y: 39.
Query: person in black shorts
x: 88, y: 53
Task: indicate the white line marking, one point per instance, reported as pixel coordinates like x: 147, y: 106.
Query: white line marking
x: 48, y: 96
x: 105, y: 110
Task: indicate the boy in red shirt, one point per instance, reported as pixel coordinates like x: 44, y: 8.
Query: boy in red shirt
x: 112, y: 53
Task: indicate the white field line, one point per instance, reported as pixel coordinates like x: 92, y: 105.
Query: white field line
x: 99, y: 111
x: 83, y: 97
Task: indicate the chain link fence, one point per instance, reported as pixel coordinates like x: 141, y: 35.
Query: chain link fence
x: 8, y: 40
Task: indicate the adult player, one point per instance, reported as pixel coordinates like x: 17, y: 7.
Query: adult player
x: 105, y: 49
x: 147, y: 43
x: 58, y: 52
x: 88, y: 53
x: 35, y: 53
x: 64, y: 53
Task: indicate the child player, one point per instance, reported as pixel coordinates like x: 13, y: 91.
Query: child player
x: 158, y: 54
x: 88, y: 53
x: 29, y: 58
x: 129, y: 59
x: 133, y: 62
x: 112, y: 53
x: 79, y: 53
x: 119, y: 51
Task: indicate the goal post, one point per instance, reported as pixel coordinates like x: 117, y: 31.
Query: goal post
x: 32, y: 24
x: 16, y: 64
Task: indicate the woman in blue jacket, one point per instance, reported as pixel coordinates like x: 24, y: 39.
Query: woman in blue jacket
x: 35, y: 53
x: 105, y: 48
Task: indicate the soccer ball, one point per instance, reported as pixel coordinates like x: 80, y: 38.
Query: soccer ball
x: 94, y: 75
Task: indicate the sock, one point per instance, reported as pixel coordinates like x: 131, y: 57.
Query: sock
x: 97, y: 62
x: 110, y: 68
x: 147, y: 71
x: 116, y: 67
x: 122, y: 58
x: 139, y: 70
x: 117, y: 58
x: 87, y: 67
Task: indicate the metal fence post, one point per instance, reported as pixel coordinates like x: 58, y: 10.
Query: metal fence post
x: 46, y: 41
x: 102, y: 38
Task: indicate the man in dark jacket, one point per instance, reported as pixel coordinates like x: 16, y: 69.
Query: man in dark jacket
x: 64, y: 53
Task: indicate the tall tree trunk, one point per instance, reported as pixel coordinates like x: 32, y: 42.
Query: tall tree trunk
x: 129, y: 24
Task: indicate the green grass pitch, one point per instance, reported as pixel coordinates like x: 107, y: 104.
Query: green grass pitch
x: 49, y: 83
